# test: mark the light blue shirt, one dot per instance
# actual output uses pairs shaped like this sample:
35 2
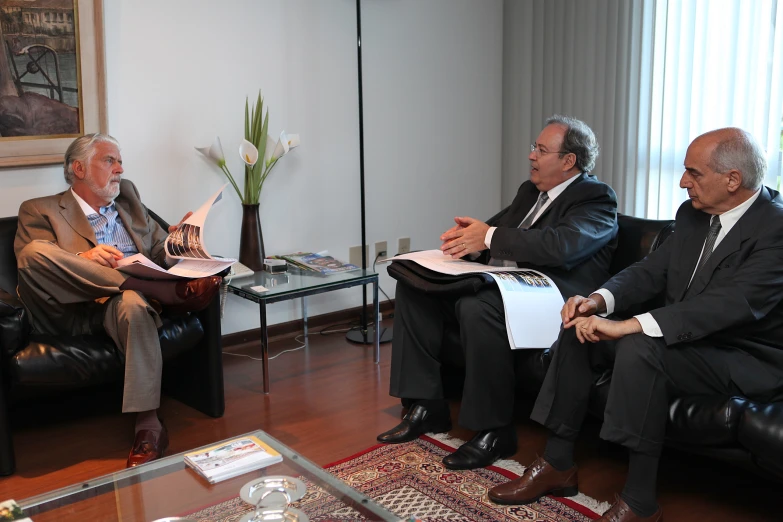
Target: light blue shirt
107 226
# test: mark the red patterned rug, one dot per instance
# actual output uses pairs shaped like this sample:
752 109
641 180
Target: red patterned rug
411 481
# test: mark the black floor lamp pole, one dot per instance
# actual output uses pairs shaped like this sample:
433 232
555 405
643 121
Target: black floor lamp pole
367 333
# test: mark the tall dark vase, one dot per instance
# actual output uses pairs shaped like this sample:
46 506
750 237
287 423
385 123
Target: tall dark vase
251 241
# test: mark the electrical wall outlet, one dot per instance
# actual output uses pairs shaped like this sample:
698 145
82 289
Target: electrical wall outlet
355 255
403 245
381 252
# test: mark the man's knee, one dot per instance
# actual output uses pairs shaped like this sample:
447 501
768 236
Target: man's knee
638 352
36 253
482 305
131 306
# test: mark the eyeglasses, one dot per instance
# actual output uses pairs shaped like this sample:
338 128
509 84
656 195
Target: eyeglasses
537 150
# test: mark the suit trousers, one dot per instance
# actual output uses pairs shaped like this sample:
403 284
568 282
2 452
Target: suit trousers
65 294
469 331
646 375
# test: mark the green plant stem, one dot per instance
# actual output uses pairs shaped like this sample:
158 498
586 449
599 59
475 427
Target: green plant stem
231 179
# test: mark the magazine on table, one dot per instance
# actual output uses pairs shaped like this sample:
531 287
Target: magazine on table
232 458
531 300
322 264
186 246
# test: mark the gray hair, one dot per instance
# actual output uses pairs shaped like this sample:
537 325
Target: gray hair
740 151
579 140
82 149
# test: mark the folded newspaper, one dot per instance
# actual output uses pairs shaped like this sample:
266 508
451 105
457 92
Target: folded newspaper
186 246
531 299
232 458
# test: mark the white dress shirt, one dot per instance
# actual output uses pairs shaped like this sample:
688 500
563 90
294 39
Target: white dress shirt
551 194
727 221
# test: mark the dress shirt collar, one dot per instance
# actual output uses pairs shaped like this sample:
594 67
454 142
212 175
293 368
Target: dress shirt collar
729 218
86 208
556 191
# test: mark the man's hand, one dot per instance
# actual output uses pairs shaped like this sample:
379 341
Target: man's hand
465 238
593 329
103 255
172 228
578 306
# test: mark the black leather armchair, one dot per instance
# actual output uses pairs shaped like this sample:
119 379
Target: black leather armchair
33 365
733 429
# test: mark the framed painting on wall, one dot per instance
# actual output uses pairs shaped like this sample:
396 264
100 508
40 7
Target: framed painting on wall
52 80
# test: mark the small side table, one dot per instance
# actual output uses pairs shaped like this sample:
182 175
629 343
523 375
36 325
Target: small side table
293 284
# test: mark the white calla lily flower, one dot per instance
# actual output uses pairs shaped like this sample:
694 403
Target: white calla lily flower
293 141
248 152
270 148
214 152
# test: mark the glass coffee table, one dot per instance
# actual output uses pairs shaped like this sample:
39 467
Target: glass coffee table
168 488
297 283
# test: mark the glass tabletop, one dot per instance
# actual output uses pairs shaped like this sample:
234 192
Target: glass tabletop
168 488
295 282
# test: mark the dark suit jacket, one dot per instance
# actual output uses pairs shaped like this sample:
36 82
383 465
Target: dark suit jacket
60 219
572 241
735 301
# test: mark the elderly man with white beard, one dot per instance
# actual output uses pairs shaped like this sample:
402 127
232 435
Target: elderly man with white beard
67 247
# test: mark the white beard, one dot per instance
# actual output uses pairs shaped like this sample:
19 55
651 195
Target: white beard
107 192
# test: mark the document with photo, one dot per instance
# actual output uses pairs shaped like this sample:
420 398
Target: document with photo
531 300
186 246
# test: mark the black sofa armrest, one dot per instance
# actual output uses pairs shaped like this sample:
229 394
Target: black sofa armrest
195 377
14 326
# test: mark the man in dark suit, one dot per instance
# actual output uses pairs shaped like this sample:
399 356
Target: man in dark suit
562 223
67 247
719 331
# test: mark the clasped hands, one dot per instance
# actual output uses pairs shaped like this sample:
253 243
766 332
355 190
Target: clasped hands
108 255
579 313
464 238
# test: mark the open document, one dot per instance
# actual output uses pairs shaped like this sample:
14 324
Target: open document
186 246
531 300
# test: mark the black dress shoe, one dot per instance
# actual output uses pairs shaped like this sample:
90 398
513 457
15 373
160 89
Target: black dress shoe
483 449
418 420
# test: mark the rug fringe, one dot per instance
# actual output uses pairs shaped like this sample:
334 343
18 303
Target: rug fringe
515 467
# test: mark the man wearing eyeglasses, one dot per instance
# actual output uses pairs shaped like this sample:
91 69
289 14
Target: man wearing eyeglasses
562 222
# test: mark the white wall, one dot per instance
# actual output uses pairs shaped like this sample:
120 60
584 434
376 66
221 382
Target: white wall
178 73
433 114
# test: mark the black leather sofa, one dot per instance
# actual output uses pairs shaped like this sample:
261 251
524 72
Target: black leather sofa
735 429
33 366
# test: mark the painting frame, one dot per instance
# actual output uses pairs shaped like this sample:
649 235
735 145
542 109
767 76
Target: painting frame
28 150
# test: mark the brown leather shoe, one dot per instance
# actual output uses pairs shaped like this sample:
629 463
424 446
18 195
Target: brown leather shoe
621 512
196 294
147 447
538 480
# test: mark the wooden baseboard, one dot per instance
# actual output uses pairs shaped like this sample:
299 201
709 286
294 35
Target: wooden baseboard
294 328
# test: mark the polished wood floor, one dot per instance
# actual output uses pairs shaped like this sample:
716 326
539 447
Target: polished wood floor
328 402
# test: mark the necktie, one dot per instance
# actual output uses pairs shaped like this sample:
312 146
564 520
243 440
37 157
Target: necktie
542 199
709 243
526 223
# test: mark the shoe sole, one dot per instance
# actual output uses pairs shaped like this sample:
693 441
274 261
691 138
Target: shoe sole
570 491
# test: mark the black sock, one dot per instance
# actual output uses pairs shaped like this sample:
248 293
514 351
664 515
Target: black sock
639 491
559 452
